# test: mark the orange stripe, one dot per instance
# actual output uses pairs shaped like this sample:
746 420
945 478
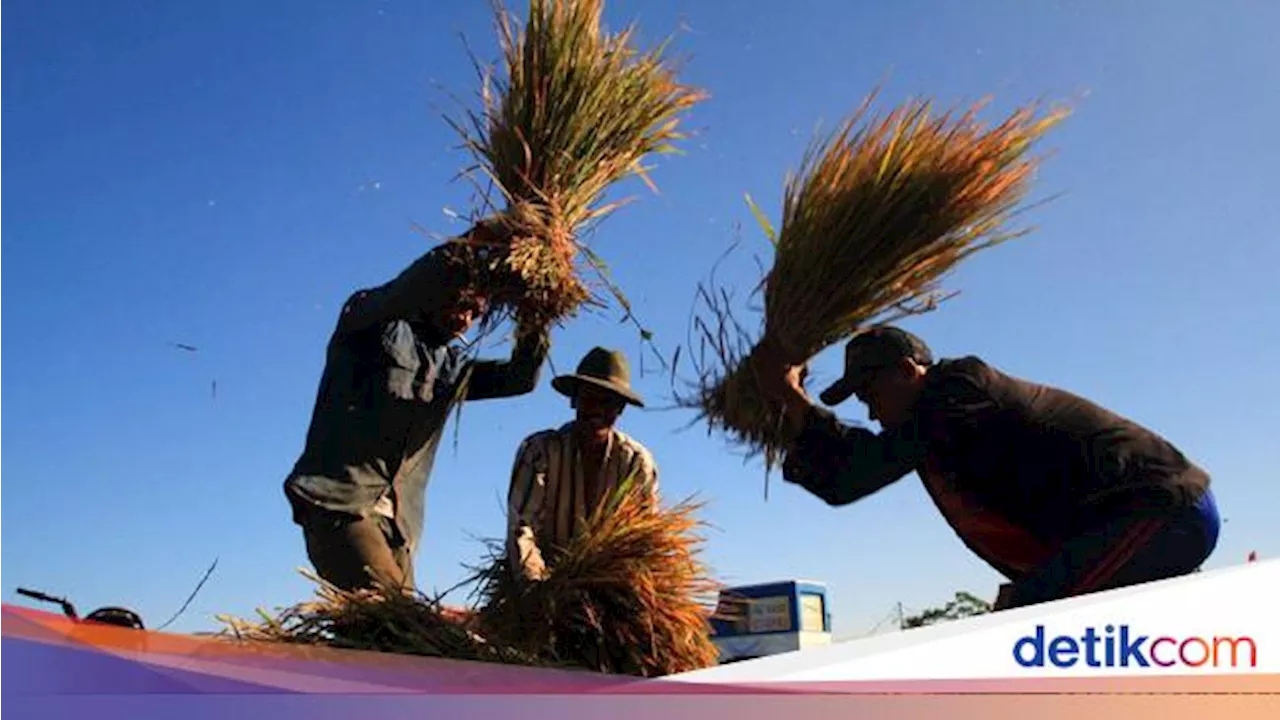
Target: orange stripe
1122 553
989 531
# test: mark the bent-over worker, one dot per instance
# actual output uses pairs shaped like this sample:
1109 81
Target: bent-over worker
391 377
1061 496
560 476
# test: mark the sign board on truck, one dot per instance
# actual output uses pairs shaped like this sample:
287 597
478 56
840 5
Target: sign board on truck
771 614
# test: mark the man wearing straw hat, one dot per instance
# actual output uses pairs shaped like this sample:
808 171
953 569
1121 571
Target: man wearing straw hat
1061 496
562 475
391 377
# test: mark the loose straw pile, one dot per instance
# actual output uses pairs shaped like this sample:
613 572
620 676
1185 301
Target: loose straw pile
628 595
379 620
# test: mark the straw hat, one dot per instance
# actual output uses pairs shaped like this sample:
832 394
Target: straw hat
603 368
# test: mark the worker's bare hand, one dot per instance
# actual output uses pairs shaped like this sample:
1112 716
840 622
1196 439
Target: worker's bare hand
527 332
783 382
775 375
533 572
795 377
490 231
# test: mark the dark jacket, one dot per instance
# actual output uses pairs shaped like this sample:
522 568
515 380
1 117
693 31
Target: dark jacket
388 386
1015 467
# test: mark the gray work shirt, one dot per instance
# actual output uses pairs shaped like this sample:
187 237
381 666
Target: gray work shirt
389 384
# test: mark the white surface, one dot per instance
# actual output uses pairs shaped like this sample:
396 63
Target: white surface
1236 602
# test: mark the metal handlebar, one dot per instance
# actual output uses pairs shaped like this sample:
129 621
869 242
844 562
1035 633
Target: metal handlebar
67 608
121 617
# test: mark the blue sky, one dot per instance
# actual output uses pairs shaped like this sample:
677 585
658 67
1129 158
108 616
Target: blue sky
225 174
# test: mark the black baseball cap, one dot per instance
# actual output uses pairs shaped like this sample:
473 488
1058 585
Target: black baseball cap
872 350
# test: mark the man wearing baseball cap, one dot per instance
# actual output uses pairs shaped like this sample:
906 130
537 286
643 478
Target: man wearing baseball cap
1058 494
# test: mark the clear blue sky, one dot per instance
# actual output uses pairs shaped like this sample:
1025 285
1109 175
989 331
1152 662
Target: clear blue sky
224 174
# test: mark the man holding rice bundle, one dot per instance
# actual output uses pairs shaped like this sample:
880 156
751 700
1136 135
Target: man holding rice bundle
391 378
593 572
576 110
562 475
1060 495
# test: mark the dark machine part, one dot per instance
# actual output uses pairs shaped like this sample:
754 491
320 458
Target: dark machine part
67 608
118 616
121 617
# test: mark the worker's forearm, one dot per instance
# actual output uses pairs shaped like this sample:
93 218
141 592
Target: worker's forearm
840 463
509 378
797 409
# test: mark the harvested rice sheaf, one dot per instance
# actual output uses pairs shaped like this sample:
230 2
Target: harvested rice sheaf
628 595
877 214
576 110
378 620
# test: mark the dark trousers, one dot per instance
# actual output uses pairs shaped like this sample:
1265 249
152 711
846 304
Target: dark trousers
1124 552
353 552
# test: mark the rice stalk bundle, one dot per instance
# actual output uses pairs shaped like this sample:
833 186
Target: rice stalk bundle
577 110
627 595
377 620
877 214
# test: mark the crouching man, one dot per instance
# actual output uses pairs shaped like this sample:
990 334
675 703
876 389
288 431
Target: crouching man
1061 496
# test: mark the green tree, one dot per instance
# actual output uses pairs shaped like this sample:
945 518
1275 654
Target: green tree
963 605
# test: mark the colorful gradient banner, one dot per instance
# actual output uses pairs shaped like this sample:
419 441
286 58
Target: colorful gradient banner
60 668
